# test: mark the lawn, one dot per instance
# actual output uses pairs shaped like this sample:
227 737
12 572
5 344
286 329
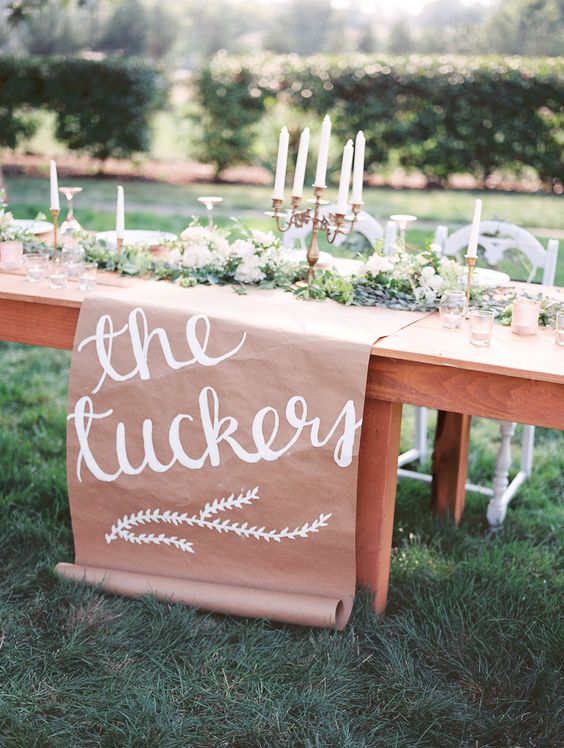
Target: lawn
469 653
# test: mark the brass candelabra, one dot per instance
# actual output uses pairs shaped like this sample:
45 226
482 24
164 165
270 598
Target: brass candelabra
332 224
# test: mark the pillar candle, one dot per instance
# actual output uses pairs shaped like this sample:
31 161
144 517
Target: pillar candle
281 162
344 183
358 172
120 214
54 186
323 156
475 230
301 161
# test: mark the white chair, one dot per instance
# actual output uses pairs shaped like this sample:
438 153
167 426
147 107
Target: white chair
366 225
495 239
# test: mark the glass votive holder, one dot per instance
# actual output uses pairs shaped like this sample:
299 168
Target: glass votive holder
11 255
525 317
36 265
481 326
58 273
559 333
451 309
73 255
87 278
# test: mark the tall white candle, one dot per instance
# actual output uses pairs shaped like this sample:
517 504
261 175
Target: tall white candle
344 183
120 214
475 230
54 186
301 161
358 172
281 162
323 156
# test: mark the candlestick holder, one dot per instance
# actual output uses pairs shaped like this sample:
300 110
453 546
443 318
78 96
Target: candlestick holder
55 214
119 242
470 263
332 224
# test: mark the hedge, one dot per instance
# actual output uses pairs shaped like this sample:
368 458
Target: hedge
102 106
440 115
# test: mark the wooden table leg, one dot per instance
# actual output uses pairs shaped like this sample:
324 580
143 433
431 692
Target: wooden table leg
377 478
450 464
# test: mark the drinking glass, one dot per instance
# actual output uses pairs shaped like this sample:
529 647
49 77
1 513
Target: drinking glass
525 317
58 273
70 224
87 279
402 220
11 254
73 255
451 309
36 265
559 328
481 326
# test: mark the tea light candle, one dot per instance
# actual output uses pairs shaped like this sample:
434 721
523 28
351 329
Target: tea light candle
525 317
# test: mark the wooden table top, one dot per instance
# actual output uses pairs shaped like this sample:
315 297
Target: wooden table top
533 357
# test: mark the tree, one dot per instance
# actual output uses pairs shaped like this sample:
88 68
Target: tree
527 27
400 40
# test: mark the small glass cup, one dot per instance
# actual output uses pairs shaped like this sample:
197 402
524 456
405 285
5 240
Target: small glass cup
36 265
87 278
73 255
481 326
11 255
525 317
58 273
559 335
451 309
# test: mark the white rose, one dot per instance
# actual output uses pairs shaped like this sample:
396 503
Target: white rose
197 256
249 270
174 257
242 248
428 272
430 295
378 264
198 234
436 248
264 238
436 283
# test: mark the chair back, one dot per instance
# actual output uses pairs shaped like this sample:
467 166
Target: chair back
497 238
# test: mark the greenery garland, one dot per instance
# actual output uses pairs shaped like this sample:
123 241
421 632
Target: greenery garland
405 280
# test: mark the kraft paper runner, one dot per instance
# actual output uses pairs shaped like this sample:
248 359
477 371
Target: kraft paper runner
213 445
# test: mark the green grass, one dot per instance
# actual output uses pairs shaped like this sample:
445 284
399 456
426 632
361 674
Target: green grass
469 653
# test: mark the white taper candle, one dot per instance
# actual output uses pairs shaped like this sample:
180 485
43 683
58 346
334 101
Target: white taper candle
358 172
475 230
344 182
281 161
54 186
120 213
301 161
322 158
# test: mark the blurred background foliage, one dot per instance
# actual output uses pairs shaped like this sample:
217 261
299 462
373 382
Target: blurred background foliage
186 32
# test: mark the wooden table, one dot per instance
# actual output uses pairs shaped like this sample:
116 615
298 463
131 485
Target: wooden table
516 379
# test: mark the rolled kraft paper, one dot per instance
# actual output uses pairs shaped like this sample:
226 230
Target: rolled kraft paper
288 607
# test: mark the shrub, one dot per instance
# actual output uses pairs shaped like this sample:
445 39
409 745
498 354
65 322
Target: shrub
102 106
441 115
